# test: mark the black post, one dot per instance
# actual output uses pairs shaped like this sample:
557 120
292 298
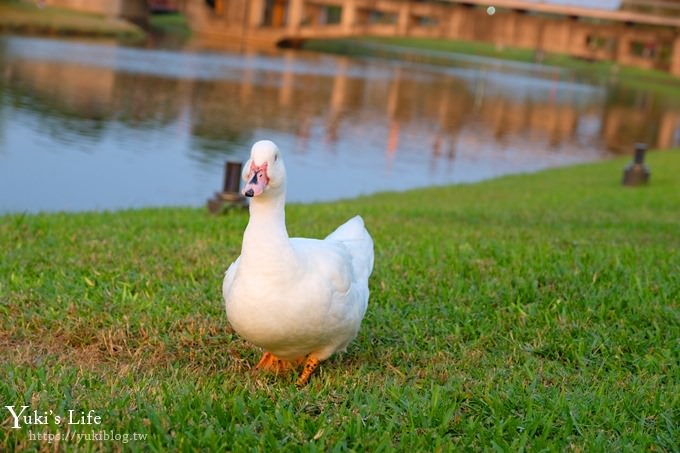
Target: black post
232 176
637 173
230 196
640 150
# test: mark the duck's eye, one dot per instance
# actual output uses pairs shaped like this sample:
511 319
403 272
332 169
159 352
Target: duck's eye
276 157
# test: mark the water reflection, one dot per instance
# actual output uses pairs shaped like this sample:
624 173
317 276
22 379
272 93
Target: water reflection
86 126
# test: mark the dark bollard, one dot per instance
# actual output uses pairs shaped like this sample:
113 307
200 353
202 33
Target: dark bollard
230 196
232 177
637 173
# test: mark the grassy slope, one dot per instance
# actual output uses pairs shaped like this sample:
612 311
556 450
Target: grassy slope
170 23
535 311
655 79
28 18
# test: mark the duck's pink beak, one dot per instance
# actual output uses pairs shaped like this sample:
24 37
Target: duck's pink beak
257 180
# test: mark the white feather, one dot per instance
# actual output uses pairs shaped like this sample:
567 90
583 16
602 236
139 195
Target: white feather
295 297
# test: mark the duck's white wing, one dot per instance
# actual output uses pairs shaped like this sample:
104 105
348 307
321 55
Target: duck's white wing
229 279
353 235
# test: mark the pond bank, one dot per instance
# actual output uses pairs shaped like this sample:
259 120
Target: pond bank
29 19
406 47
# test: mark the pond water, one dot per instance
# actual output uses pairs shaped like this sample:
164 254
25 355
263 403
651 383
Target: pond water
92 126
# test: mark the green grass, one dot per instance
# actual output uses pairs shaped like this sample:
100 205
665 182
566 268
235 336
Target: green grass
532 312
27 18
170 23
600 70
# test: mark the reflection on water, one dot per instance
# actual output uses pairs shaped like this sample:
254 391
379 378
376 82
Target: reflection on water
86 126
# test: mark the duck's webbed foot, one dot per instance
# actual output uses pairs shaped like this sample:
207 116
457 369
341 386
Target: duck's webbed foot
269 362
311 364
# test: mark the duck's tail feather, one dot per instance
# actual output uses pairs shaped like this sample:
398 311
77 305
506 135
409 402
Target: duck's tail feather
354 235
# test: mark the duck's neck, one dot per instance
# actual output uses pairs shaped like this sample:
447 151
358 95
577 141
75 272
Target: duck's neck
266 237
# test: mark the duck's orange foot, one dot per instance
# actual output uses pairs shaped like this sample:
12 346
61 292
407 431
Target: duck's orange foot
269 362
311 364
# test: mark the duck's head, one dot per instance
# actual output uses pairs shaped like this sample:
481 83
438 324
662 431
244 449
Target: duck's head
264 172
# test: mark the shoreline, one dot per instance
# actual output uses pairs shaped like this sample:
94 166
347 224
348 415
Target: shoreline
393 195
30 20
437 51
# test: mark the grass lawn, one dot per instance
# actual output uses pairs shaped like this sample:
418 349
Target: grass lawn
27 18
601 70
170 24
532 312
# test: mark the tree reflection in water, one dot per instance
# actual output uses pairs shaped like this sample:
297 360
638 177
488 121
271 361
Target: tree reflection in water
361 125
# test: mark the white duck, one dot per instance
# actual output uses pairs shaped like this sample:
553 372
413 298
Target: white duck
301 300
